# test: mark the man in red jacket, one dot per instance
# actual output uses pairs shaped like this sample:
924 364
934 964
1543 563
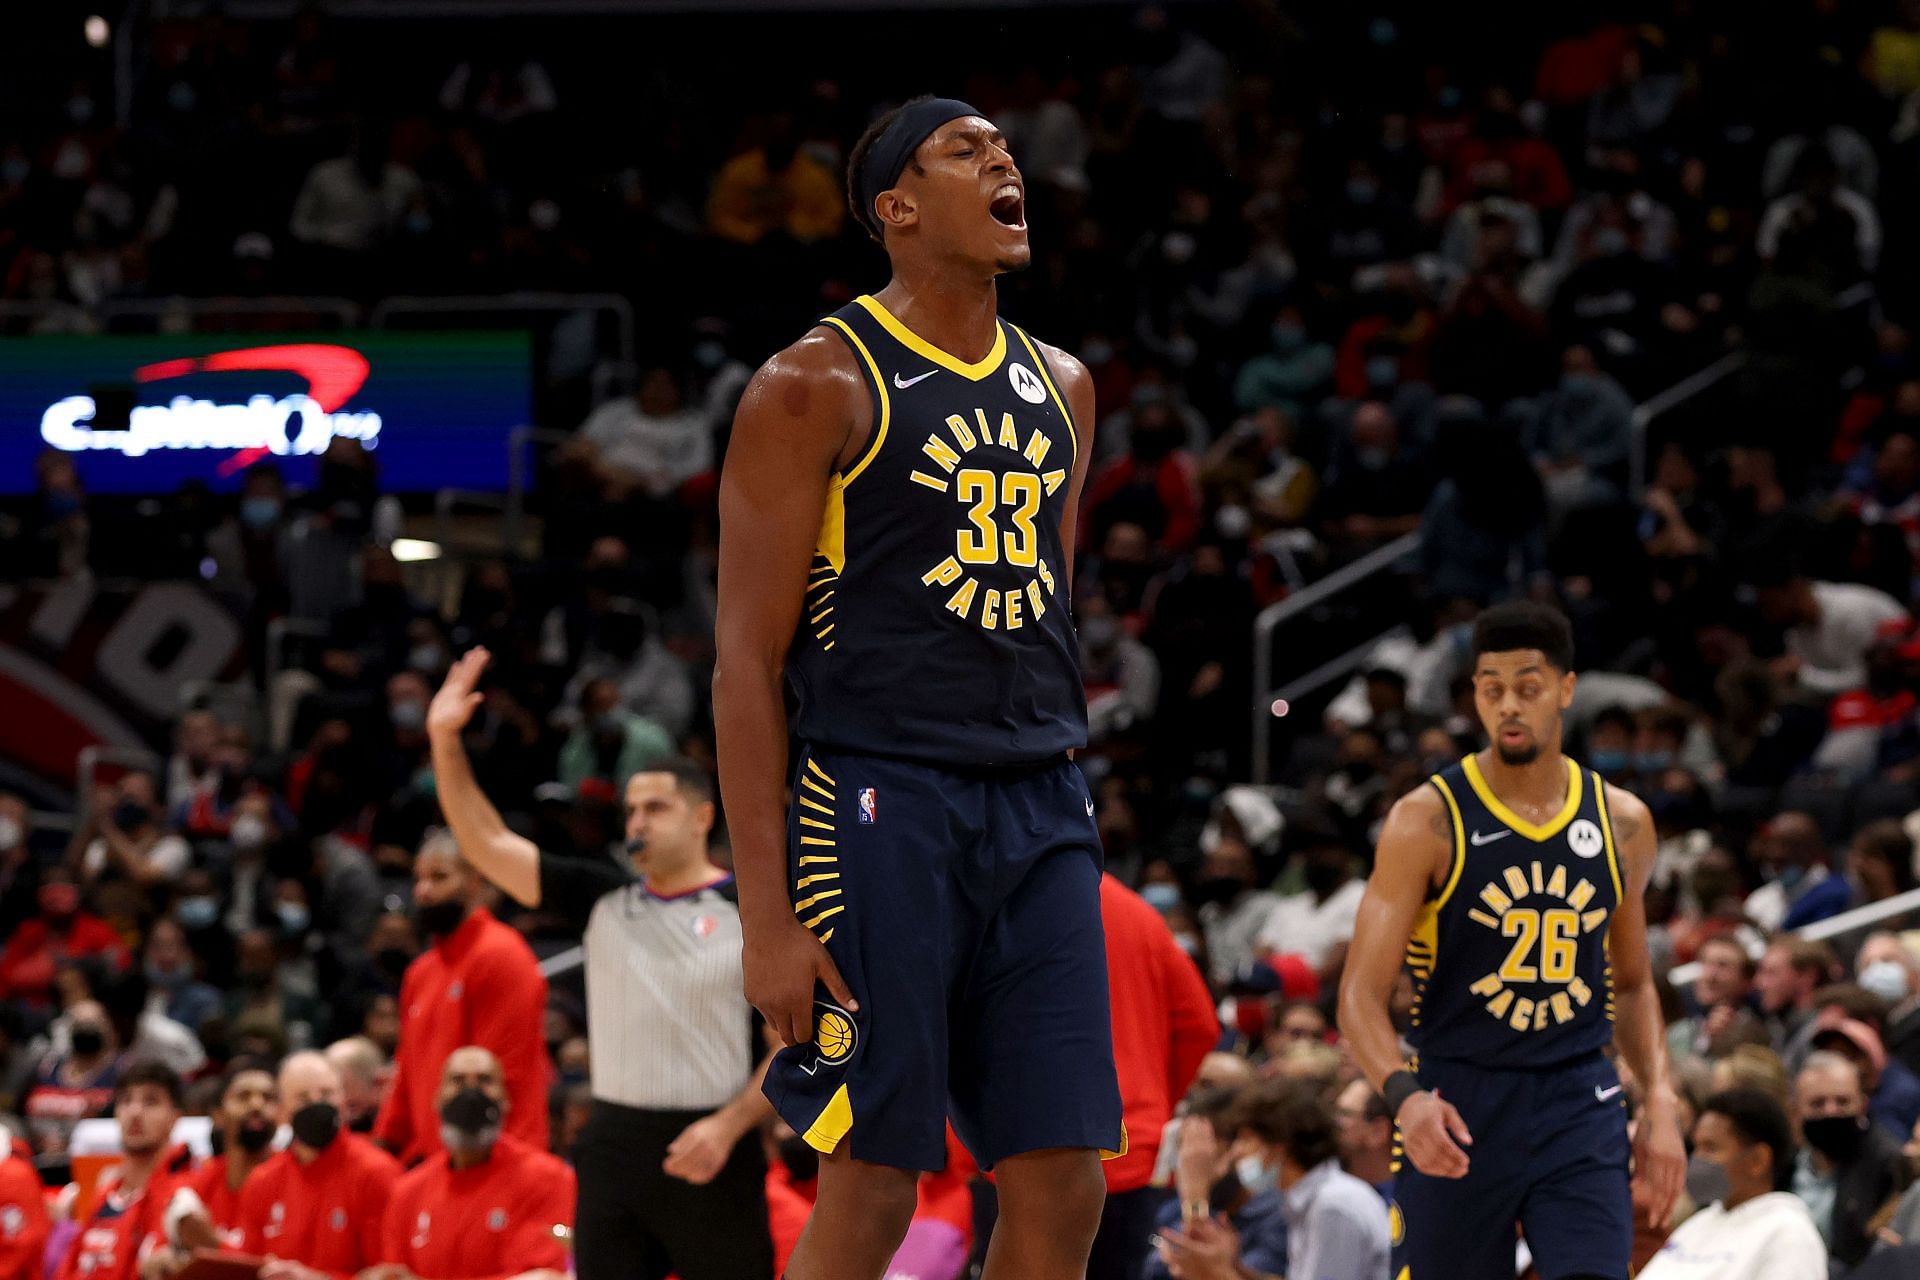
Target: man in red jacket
62 932
314 1210
128 1221
486 1206
477 984
1163 1025
248 1115
24 1224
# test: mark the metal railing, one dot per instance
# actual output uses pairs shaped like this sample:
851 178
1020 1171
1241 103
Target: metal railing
612 304
1846 922
1293 606
1665 402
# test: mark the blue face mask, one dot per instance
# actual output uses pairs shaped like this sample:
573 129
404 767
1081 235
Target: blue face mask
197 913
294 918
1789 878
1609 760
1256 1176
1161 896
259 513
1650 761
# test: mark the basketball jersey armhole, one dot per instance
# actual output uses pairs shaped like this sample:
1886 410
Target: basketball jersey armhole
1046 376
1606 829
1458 863
877 393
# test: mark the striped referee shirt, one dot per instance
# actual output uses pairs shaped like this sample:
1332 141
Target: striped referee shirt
668 1020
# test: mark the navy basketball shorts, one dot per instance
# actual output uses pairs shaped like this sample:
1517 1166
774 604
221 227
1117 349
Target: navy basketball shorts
1549 1152
963 910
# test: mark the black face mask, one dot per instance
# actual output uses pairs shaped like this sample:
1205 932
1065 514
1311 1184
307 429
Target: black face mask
440 918
317 1124
1323 879
88 1041
1220 889
255 1137
392 961
470 1111
802 1161
1838 1138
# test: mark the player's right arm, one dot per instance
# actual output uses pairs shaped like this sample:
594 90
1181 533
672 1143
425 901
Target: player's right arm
798 420
1415 853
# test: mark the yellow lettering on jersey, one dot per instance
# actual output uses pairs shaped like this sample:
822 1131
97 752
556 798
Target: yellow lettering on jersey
941 452
990 610
1046 576
1487 985
1562 1007
1053 480
1495 899
1592 920
986 432
1036 451
1580 991
1012 602
1009 439
1539 881
963 598
1499 1005
1035 599
1522 1017
1480 917
1558 885
932 482
1516 882
961 432
1582 894
1540 1011
946 573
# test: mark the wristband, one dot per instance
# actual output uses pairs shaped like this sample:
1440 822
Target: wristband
1400 1086
1194 1210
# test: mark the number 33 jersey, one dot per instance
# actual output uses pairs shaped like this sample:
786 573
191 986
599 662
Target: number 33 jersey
936 625
1509 958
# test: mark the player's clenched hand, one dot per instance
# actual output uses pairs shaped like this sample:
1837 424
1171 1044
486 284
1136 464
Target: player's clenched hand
1434 1135
700 1152
1659 1162
453 706
782 962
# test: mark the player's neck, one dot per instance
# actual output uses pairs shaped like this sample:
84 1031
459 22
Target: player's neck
241 1162
1541 781
137 1171
955 312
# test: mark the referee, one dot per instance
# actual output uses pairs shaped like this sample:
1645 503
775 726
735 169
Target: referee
672 1175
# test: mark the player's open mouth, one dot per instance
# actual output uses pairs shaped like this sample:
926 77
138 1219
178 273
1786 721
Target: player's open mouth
1009 207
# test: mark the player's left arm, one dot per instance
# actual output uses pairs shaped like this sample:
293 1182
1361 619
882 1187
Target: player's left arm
1076 388
1660 1156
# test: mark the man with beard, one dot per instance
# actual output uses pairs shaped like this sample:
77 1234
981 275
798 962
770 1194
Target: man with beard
487 1204
478 984
246 1117
314 1210
128 1218
1512 887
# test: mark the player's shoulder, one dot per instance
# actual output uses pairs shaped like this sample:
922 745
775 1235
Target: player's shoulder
1628 813
815 380
1068 370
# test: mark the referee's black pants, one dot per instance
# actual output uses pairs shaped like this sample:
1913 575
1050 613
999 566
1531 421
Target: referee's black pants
634 1222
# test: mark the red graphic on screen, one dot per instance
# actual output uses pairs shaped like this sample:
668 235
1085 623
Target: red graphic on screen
333 374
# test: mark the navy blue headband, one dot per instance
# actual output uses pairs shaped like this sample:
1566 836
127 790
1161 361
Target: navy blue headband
887 158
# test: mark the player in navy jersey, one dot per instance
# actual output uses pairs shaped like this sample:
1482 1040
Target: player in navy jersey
922 917
1510 887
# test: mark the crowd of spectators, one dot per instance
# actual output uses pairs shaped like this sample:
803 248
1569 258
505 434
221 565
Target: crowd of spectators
1351 283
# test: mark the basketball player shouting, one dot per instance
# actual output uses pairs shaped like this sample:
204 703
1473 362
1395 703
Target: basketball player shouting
922 921
1512 886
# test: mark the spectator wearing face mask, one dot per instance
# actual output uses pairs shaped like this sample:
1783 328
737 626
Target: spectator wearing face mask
1213 1198
611 744
486 1204
1288 377
1891 970
61 934
77 1084
1366 1137
316 1209
175 990
1848 1168
1800 889
1830 628
1316 925
1376 487
1893 1093
478 984
124 839
1232 910
1748 1229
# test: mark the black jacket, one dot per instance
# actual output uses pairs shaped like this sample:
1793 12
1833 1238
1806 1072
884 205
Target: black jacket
1875 1176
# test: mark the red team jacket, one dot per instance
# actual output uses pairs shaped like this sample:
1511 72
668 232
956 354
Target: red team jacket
325 1215
493 1220
24 1223
209 1182
481 985
121 1229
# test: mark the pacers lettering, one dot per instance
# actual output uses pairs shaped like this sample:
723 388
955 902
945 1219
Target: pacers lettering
997 510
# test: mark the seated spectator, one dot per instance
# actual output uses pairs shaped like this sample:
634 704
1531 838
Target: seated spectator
1316 925
1154 484
1720 994
316 1209
775 187
125 839
1581 435
24 1223
653 681
1784 982
653 441
1376 486
1835 230
1121 675
62 933
1748 1230
75 1084
128 1220
612 743
1233 912
1752 1066
1880 861
1891 970
486 1204
363 1072
1288 377
353 203
1366 1137
1830 627
246 1116
1800 888
1893 1092
170 971
1209 1187
1484 529
1848 1168
1610 745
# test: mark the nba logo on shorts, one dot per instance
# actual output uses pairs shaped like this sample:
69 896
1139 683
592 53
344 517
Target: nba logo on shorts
867 814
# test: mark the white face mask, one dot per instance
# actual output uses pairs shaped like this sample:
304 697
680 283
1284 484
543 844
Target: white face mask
10 832
1256 1175
1886 979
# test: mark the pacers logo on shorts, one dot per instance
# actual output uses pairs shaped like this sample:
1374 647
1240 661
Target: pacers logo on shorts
1396 1225
834 1036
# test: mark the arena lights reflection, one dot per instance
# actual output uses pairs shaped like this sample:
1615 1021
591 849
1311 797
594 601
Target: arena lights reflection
261 423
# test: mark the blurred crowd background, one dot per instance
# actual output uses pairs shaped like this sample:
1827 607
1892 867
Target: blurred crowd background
1341 278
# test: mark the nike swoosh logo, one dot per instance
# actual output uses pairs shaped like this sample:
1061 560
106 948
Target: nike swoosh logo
1604 1094
1089 808
904 383
1479 839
